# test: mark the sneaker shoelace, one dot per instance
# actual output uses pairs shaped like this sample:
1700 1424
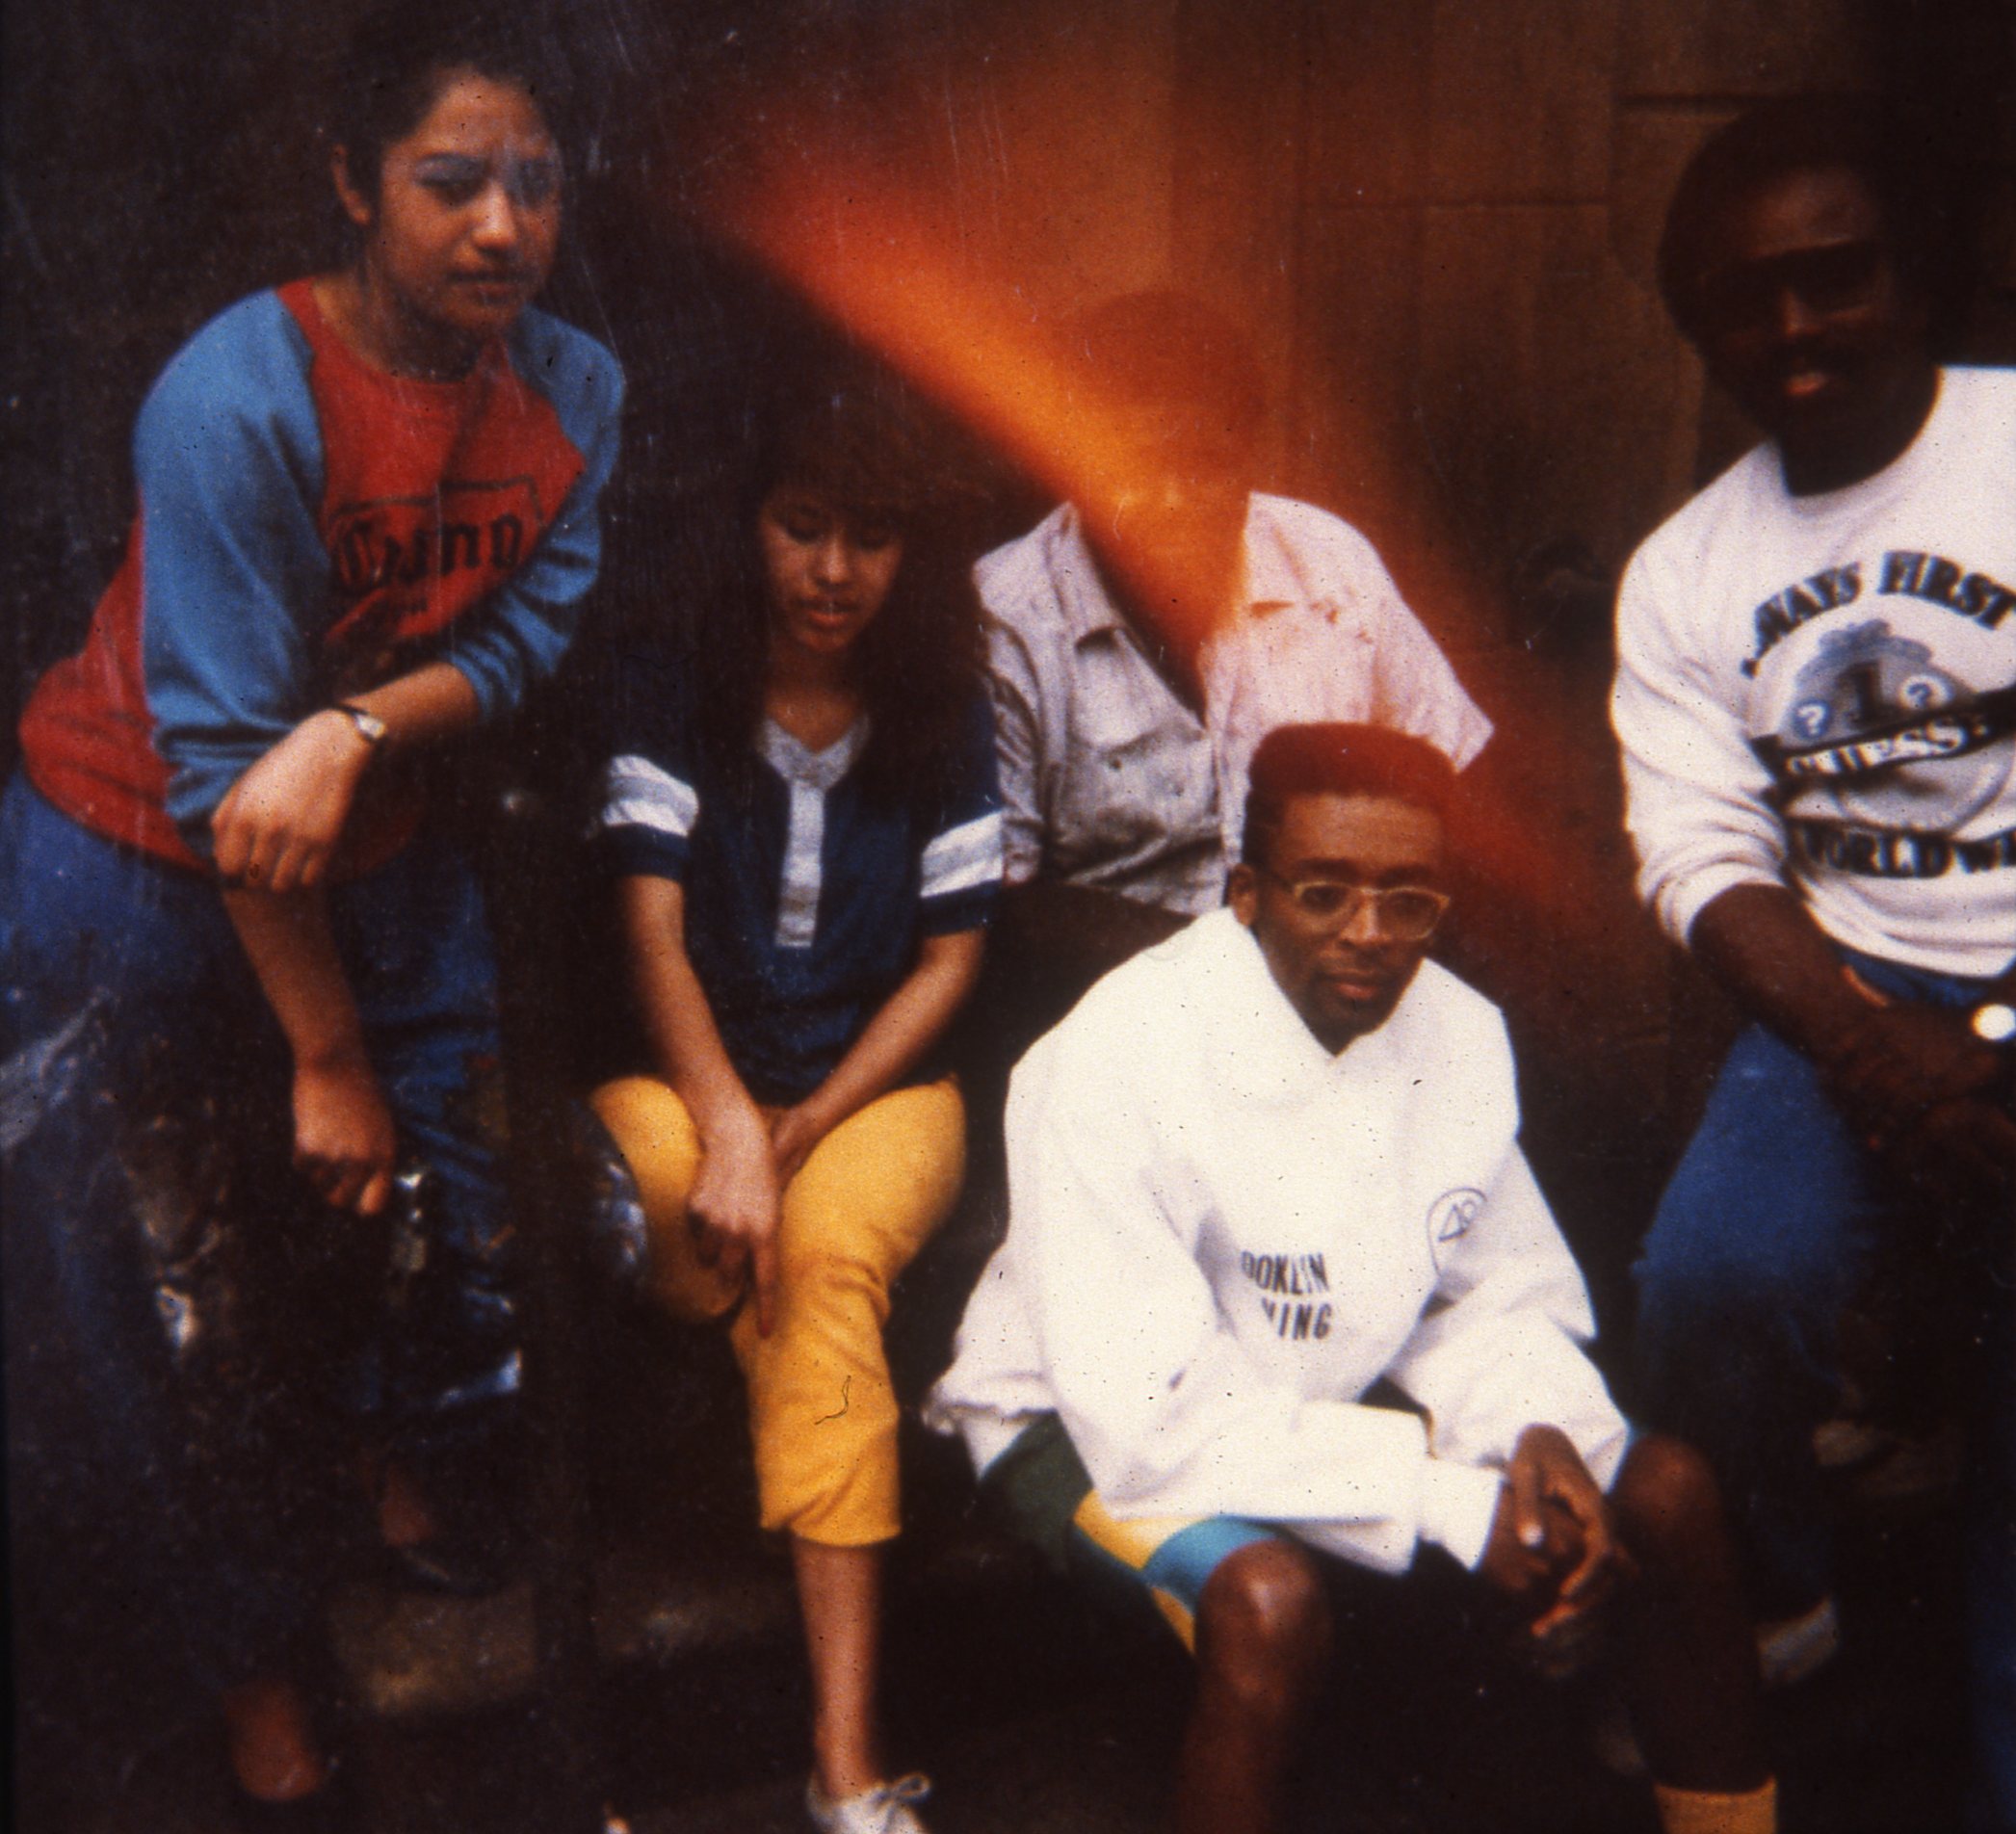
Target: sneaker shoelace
892 1797
879 1807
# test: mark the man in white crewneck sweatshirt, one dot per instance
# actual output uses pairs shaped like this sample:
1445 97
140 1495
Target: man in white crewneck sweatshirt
1817 702
1260 1168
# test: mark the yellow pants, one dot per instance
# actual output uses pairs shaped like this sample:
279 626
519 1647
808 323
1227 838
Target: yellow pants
822 1412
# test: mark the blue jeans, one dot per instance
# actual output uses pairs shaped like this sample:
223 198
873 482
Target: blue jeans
1766 1230
194 1343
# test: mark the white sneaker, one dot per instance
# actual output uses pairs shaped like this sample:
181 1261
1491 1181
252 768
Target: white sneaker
1790 1649
882 1810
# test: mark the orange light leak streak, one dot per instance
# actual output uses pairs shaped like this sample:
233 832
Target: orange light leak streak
872 255
875 262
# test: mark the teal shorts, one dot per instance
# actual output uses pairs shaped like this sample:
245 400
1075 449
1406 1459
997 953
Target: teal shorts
1040 1488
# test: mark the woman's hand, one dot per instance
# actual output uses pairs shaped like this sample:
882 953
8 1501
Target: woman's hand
281 820
906 1025
793 1131
343 1136
734 1209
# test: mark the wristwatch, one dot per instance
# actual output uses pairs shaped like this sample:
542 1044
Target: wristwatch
370 727
1994 1023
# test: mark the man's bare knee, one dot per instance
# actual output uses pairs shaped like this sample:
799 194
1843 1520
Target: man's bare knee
1668 1502
1264 1623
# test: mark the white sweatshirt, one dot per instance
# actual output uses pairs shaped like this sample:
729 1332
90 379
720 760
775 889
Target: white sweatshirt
1220 1236
1859 636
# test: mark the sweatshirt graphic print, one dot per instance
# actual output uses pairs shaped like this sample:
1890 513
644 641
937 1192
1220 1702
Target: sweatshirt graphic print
1822 690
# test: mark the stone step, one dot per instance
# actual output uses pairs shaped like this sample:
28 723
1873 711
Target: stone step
409 1656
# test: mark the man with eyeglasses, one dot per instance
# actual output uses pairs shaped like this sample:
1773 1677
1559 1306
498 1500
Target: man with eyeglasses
1262 1170
1817 702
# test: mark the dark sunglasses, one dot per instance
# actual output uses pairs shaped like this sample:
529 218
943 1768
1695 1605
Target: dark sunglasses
1829 279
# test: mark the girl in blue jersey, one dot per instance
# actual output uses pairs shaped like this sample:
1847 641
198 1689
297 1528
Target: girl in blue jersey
231 933
807 851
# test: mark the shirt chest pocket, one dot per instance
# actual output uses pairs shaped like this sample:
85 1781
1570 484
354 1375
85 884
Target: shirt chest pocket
1136 764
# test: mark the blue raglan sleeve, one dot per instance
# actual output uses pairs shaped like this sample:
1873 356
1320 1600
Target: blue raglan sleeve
227 457
524 629
648 797
959 871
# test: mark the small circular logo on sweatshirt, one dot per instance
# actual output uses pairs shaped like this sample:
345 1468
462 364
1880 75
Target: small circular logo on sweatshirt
1450 1218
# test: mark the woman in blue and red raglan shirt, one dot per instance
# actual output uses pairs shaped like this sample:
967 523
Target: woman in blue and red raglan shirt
231 935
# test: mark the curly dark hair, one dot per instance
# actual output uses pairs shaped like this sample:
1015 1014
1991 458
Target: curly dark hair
392 68
843 426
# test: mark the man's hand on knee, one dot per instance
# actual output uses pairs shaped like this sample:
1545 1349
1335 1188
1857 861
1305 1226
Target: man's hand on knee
1899 1060
1960 1154
1554 1550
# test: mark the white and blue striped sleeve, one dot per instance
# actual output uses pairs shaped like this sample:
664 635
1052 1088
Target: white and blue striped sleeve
647 800
645 820
959 871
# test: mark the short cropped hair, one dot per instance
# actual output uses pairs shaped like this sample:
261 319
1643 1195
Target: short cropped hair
392 68
1166 349
1866 135
1337 758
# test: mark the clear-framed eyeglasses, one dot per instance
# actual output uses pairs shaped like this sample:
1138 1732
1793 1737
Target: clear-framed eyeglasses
1406 913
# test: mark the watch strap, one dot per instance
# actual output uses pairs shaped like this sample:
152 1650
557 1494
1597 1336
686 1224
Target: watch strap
1994 1022
369 727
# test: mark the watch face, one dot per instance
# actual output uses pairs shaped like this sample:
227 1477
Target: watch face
1996 1023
